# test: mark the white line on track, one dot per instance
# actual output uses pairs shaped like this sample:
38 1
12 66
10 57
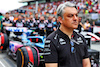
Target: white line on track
2 64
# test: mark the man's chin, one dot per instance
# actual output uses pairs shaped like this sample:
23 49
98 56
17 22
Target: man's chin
75 27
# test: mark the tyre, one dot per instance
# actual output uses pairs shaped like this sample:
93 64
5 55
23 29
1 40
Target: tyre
27 57
4 41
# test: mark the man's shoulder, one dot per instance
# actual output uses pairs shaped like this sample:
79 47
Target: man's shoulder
78 34
51 36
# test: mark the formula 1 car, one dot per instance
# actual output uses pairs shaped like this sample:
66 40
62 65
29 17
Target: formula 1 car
95 36
27 50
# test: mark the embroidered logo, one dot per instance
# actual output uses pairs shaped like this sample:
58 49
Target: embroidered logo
79 40
62 41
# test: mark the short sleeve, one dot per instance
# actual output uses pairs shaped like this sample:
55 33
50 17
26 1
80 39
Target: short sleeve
50 52
85 49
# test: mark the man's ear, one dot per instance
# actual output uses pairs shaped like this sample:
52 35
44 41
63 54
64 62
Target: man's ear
60 19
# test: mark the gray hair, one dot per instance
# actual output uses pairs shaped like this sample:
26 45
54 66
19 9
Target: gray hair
61 7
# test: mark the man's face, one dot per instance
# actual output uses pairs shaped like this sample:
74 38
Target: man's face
7 15
80 19
36 15
70 18
50 18
42 18
19 17
31 17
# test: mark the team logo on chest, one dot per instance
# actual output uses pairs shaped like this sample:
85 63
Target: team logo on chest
62 41
79 40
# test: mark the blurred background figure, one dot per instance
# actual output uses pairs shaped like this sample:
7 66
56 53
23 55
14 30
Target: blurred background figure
54 24
49 28
87 26
42 26
80 26
29 22
36 16
6 22
92 25
19 22
36 21
11 17
1 17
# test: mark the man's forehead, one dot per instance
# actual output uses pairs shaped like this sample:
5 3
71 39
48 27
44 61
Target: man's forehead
71 13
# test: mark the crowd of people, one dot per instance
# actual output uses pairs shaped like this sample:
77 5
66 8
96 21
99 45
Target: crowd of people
84 7
42 26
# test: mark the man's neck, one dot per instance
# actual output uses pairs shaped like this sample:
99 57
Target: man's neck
36 18
7 17
19 20
67 31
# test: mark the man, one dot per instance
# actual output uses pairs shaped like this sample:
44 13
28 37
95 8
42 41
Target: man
29 22
6 22
19 22
64 47
80 25
11 18
41 26
36 21
49 27
56 24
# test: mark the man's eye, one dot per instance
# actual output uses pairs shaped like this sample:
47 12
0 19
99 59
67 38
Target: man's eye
70 15
73 15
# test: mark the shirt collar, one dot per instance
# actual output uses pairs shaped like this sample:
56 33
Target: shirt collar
64 35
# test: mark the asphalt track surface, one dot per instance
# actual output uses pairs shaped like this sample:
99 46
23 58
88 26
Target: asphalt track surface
7 61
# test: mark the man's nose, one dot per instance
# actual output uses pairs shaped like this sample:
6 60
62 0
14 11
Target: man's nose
75 17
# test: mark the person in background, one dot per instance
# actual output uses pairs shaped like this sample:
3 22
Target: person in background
29 22
19 22
15 18
36 16
49 27
65 47
42 26
11 18
27 18
87 26
1 16
92 25
6 22
36 21
80 25
56 24
1 26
